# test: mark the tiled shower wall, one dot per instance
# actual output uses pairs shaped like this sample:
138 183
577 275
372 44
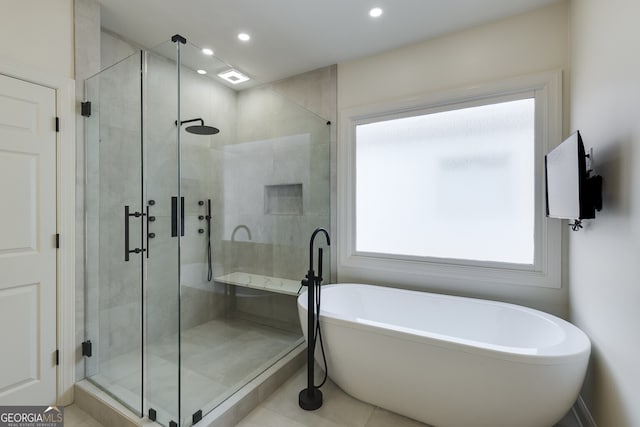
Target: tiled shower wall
279 144
215 104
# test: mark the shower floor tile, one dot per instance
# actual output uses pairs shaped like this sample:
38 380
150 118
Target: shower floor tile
217 357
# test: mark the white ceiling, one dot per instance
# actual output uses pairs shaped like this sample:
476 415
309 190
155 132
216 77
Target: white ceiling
293 36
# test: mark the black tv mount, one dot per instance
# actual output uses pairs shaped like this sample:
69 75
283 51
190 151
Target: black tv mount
593 192
577 225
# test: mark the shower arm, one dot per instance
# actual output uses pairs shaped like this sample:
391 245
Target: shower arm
190 121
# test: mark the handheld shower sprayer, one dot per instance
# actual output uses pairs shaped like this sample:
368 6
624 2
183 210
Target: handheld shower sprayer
207 218
209 264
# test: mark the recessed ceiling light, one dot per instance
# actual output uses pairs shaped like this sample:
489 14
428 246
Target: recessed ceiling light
375 12
233 76
207 51
201 72
244 37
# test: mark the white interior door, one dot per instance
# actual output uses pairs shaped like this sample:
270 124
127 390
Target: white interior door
27 243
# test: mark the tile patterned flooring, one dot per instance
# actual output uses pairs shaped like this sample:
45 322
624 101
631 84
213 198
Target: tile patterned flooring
281 410
338 410
212 372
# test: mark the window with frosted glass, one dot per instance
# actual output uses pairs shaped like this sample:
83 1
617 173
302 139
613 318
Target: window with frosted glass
456 184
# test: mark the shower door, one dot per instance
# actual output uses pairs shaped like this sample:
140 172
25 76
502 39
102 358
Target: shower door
115 226
134 221
165 227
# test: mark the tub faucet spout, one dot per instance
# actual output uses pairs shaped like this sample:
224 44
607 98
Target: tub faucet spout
311 274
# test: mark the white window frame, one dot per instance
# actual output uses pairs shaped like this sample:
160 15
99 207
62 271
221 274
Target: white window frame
414 271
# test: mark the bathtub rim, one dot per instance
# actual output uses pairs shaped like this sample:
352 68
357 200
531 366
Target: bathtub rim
511 354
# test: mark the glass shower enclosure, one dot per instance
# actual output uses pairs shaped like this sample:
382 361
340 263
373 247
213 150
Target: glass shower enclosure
196 241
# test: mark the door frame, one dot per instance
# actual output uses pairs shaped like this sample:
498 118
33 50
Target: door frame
65 216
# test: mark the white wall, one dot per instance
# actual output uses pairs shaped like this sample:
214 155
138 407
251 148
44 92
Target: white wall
38 45
38 34
526 44
604 262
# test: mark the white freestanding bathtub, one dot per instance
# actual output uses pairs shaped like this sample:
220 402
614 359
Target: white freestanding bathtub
450 361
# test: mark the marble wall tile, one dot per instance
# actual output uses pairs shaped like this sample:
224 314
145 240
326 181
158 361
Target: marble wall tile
114 49
263 155
201 306
315 90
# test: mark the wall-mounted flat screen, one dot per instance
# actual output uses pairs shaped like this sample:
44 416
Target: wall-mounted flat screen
571 192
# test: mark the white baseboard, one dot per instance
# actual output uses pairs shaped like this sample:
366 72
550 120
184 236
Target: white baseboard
582 414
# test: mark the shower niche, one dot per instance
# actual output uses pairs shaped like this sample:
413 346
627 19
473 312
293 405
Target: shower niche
200 197
284 199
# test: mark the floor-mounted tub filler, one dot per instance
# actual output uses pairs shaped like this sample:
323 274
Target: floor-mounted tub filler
450 361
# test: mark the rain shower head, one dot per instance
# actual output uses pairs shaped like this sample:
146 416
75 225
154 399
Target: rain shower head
200 129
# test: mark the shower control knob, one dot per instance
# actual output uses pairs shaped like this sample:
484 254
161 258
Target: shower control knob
200 217
200 202
200 230
152 202
152 218
152 235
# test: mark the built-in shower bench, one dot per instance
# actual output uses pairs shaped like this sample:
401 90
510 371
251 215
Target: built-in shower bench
257 281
